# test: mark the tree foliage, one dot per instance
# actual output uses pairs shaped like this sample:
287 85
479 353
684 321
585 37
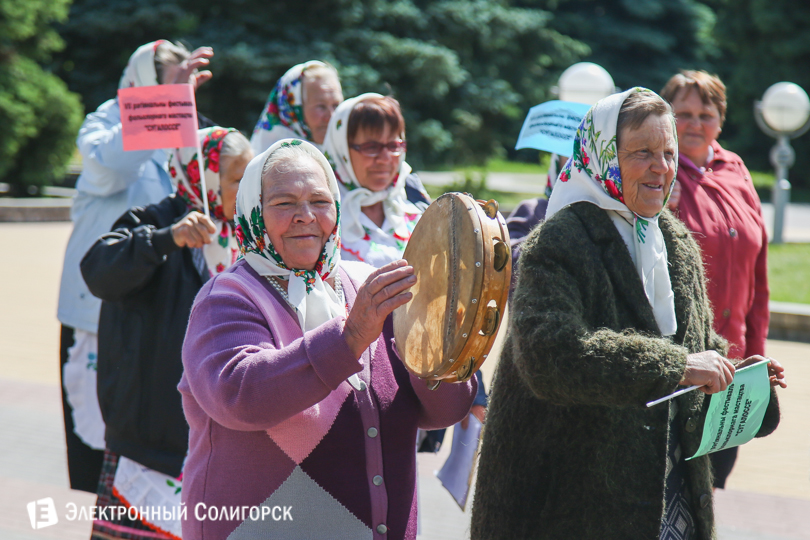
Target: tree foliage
750 44
39 117
639 42
763 42
465 72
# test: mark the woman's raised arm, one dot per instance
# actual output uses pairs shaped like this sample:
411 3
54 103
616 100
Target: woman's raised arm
239 375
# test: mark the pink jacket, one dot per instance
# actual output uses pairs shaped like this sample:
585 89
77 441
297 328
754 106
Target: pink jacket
274 424
722 209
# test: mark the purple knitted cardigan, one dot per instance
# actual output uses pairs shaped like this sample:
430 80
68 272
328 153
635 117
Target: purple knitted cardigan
275 425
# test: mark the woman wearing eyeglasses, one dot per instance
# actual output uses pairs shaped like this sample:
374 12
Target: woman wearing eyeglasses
381 200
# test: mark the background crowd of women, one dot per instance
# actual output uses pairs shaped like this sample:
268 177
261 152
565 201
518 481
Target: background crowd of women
290 376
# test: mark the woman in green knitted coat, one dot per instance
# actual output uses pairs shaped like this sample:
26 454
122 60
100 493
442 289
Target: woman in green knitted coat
610 312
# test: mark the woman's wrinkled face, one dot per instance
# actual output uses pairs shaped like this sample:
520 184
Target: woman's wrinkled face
647 159
231 171
322 95
698 123
299 211
378 172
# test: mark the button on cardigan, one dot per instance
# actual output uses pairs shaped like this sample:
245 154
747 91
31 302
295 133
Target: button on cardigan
274 422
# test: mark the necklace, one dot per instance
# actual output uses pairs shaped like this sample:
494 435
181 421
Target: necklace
280 290
277 286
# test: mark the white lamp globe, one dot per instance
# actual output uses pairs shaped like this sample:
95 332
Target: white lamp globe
585 82
785 107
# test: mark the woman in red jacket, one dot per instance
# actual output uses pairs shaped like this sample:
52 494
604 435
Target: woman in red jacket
715 198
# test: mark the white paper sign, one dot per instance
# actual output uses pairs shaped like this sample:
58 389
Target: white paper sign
457 472
551 127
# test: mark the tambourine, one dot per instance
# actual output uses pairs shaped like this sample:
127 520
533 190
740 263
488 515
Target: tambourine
460 253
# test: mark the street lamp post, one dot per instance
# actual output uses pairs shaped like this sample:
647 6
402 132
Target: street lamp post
784 114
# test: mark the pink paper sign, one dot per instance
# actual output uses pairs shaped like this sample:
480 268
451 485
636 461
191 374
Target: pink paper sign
162 116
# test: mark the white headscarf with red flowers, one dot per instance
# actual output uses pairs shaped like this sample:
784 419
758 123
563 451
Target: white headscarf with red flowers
283 114
185 173
592 174
315 301
362 239
140 70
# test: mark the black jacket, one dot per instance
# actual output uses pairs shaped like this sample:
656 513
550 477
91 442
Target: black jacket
147 285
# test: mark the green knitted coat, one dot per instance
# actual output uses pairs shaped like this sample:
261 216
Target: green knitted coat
570 452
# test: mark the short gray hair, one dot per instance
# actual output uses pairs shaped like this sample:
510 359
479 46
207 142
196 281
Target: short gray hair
637 107
285 159
169 54
317 72
235 145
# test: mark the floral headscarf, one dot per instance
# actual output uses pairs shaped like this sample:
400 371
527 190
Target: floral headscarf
592 174
361 237
283 116
185 173
315 301
140 70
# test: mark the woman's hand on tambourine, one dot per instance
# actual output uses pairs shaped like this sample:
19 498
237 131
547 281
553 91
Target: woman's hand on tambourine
385 290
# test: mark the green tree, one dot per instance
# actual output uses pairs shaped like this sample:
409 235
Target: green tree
38 115
763 42
639 42
465 72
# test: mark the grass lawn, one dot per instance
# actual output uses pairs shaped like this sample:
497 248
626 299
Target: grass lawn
763 180
504 165
507 201
470 181
473 184
789 273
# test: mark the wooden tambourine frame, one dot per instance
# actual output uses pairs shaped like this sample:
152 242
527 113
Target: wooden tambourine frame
462 260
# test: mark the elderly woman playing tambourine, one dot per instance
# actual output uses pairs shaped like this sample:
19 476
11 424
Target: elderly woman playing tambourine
292 387
610 312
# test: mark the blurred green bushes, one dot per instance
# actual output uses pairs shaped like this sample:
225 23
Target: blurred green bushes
39 117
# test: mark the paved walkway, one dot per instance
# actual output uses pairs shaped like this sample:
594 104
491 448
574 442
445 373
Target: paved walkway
768 496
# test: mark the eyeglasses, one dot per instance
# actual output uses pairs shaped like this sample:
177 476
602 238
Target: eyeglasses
700 119
373 148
